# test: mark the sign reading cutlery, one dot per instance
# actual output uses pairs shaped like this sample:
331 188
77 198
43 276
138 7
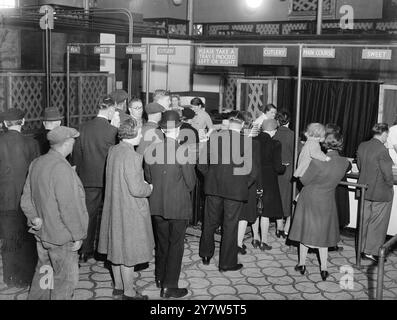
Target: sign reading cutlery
212 56
164 51
99 50
135 50
275 52
324 53
74 49
376 54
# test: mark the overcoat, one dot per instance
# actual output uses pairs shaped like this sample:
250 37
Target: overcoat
126 234
315 221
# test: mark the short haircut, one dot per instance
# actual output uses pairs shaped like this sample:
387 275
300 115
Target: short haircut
159 93
333 141
331 128
106 103
247 116
11 123
283 117
379 128
267 107
315 130
176 96
128 129
197 102
135 99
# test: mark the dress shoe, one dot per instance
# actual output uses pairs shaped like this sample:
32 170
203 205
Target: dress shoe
265 246
238 266
301 269
158 283
137 296
370 257
280 234
324 275
244 246
117 292
256 243
241 250
336 248
173 292
206 261
141 266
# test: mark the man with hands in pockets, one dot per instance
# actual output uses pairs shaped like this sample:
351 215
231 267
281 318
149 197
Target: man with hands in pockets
53 200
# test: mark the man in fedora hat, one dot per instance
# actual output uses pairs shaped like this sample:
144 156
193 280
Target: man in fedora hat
16 153
53 200
52 119
170 204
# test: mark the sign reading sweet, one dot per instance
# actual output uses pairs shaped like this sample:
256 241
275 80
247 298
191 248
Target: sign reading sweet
225 57
376 54
323 53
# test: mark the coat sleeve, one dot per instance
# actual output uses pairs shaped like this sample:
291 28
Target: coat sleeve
77 154
277 163
134 178
310 173
189 176
27 205
385 165
70 213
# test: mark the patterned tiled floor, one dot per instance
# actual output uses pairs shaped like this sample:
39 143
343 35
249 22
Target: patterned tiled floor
266 275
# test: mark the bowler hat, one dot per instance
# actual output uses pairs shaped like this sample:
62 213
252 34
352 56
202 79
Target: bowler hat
13 114
60 134
154 107
52 114
269 125
170 119
188 113
119 95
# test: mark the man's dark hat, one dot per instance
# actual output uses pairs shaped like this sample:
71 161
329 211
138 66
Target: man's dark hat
13 114
188 113
52 114
170 119
154 107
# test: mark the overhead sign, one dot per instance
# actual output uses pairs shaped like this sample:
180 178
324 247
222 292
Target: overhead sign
99 50
161 51
135 50
324 53
74 49
225 57
275 52
376 54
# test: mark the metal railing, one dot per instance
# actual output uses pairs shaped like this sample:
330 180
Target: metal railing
360 213
383 250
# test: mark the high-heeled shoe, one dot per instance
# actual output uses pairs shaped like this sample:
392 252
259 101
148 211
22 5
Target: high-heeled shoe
324 275
264 246
301 269
256 243
280 233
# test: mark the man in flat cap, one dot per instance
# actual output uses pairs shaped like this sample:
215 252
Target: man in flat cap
53 200
120 98
170 204
89 156
150 130
52 119
16 153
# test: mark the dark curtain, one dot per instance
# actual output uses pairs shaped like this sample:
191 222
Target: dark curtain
286 97
351 105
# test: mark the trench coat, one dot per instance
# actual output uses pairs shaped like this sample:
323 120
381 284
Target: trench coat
126 234
315 221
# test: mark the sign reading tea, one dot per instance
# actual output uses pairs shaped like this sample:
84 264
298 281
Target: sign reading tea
221 57
324 53
376 54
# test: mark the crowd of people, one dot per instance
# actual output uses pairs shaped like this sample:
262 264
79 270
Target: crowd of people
121 186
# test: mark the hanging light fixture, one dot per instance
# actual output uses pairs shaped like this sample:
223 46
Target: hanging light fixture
254 4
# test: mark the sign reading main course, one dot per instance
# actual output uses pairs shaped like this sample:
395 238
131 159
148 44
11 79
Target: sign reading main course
212 56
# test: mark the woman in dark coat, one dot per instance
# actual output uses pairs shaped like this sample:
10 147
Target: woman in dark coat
315 222
249 213
286 137
126 234
270 166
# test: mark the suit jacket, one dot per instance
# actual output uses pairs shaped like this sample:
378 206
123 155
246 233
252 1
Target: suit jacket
172 182
54 193
224 173
375 165
91 149
16 153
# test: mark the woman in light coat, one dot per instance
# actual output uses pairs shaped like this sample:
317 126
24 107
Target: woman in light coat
126 234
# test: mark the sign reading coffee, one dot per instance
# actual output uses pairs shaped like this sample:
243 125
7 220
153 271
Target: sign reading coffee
221 57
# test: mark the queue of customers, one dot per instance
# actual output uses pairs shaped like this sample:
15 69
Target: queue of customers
122 187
